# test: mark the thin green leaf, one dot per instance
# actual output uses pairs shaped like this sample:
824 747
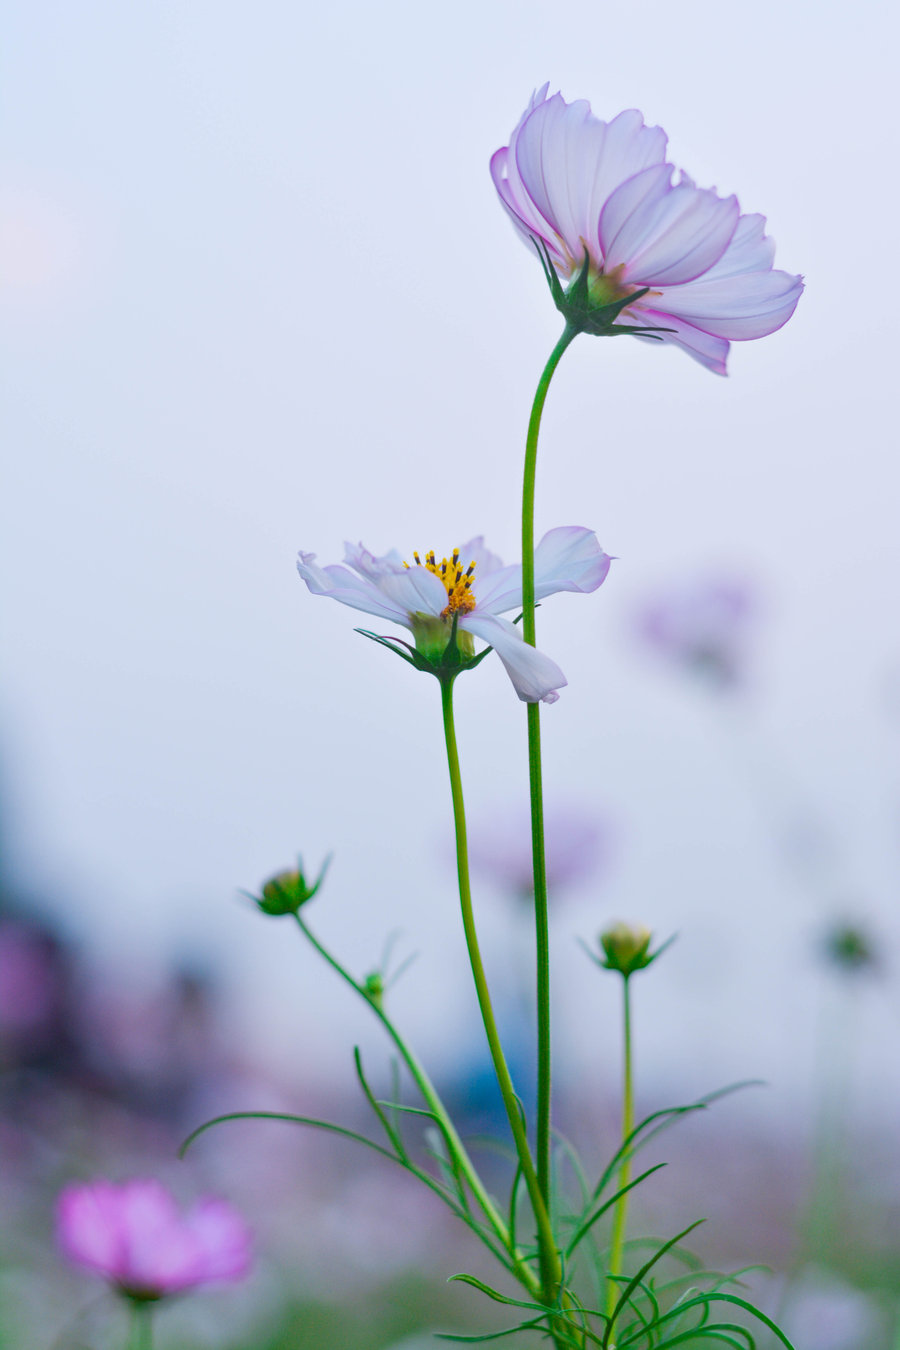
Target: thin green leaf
282 1115
635 1281
589 1223
717 1332
495 1294
491 1335
392 1133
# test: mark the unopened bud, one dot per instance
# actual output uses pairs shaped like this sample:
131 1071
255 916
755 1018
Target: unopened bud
627 947
373 988
850 948
287 891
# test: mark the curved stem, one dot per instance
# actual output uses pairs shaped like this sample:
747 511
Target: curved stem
549 1256
542 934
620 1220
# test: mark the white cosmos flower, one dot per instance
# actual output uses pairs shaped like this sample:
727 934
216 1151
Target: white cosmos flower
472 587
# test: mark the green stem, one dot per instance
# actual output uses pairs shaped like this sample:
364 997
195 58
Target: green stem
549 1256
542 933
439 1111
620 1219
141 1337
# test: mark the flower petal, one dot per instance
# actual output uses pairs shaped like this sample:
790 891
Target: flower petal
669 237
416 590
339 583
370 566
749 305
486 562
750 250
535 677
711 352
561 165
568 558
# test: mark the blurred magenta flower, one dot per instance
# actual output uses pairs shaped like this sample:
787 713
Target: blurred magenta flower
702 628
427 597
576 844
134 1235
598 201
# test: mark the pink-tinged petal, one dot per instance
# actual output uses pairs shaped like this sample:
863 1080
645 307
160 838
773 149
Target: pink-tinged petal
223 1241
136 1237
369 565
568 558
535 677
416 591
501 591
750 250
474 550
524 215
561 165
711 352
634 201
85 1227
749 305
672 237
339 583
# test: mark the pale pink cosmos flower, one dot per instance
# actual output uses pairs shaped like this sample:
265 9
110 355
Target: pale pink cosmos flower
135 1236
576 844
703 627
601 194
472 589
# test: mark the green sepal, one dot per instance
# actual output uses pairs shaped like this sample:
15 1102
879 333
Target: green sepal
284 893
585 315
447 665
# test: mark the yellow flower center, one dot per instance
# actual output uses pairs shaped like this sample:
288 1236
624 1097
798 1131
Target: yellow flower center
457 582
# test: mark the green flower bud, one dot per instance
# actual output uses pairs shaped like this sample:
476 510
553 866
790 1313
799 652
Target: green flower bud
373 988
287 891
626 948
850 948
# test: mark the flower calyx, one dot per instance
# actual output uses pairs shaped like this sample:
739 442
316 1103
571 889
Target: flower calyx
284 893
435 652
593 301
626 948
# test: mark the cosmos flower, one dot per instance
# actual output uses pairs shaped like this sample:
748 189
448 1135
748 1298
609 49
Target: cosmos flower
703 628
471 589
134 1235
576 842
599 202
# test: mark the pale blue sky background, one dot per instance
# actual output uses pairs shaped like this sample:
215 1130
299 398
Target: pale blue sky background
259 295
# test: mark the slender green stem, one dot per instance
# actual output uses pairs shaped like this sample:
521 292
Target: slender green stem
542 934
141 1337
549 1256
439 1111
620 1220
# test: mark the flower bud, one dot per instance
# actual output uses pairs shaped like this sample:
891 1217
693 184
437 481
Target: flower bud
626 947
850 948
373 988
287 891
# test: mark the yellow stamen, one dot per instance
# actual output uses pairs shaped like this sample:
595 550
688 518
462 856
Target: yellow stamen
457 583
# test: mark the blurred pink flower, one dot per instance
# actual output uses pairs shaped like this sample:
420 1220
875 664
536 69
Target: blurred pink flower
600 195
473 589
701 627
135 1236
576 845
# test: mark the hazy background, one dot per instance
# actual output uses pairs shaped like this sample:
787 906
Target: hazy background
259 295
